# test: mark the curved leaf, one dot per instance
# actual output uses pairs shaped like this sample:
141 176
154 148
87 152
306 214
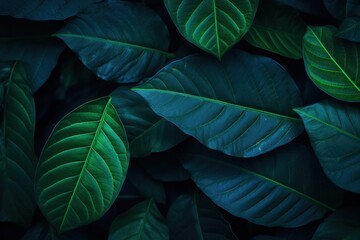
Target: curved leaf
143 221
342 224
280 30
118 41
146 131
241 105
214 26
196 217
350 29
285 187
82 166
335 137
17 156
332 64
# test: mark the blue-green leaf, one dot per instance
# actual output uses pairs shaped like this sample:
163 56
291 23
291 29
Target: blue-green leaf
350 29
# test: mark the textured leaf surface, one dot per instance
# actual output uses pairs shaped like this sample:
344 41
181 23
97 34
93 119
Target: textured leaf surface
332 64
17 156
196 217
335 137
119 41
342 224
143 221
285 187
350 29
214 26
82 166
241 105
146 131
280 30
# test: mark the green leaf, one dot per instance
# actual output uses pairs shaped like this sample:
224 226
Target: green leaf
143 221
43 10
82 166
146 131
284 188
119 41
342 224
337 8
241 105
332 64
334 133
214 26
196 217
17 161
279 31
350 29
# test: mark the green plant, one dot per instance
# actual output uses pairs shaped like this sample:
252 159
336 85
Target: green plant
180 119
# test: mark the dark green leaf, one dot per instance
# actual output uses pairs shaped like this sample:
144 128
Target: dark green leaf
332 64
146 131
143 221
334 132
119 41
17 156
196 217
82 166
285 187
214 26
350 29
241 105
337 8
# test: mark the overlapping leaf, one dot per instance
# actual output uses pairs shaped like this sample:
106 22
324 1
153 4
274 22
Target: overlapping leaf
241 105
82 166
17 156
350 29
119 41
214 26
332 64
335 136
285 187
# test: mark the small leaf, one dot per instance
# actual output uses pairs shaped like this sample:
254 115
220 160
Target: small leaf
241 105
196 217
332 64
335 136
350 29
17 156
284 188
82 166
119 41
214 26
146 131
143 221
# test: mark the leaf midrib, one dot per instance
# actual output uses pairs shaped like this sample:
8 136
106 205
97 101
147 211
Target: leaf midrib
142 227
217 101
216 30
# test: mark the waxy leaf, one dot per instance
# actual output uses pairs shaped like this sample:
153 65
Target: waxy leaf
82 166
285 187
332 64
350 29
119 41
214 26
241 105
334 132
196 217
143 221
17 156
146 131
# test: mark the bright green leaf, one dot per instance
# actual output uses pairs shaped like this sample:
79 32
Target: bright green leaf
82 166
241 105
350 29
332 64
214 26
334 132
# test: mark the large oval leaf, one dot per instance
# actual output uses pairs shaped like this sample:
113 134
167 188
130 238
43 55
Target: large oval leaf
332 64
119 41
196 217
241 105
17 156
214 26
334 132
146 131
283 188
82 166
143 221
